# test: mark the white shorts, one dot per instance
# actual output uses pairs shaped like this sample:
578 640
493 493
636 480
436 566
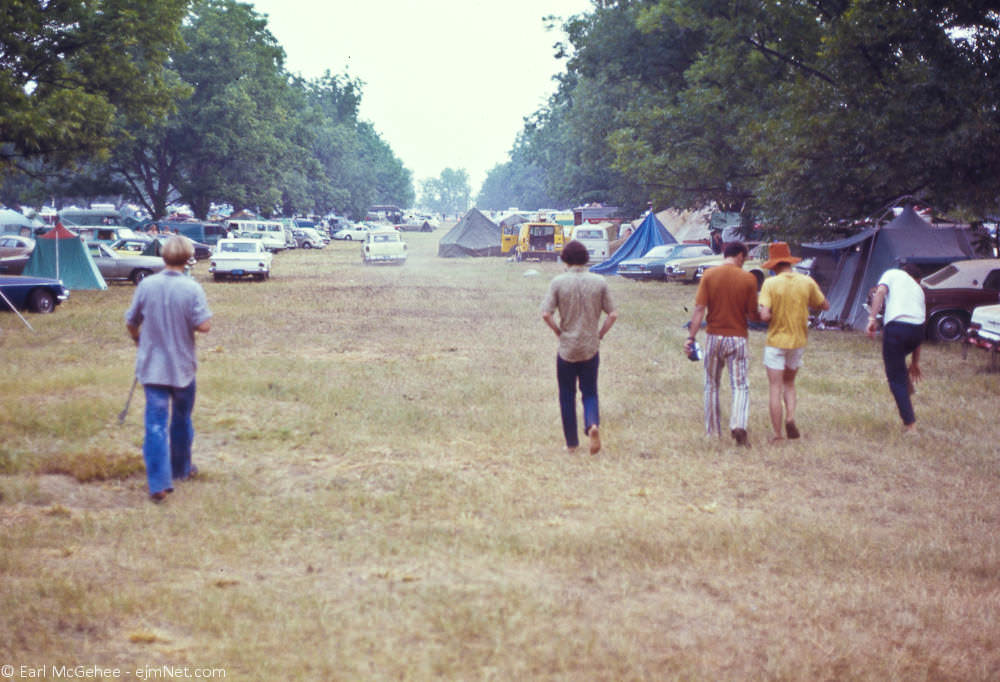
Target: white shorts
783 358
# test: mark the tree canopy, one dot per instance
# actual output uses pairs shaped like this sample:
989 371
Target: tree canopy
807 114
226 123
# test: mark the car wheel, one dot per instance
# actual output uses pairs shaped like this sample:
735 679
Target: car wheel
948 326
139 275
306 245
347 237
41 301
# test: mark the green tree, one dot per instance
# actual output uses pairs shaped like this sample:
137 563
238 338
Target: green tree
234 138
69 70
447 193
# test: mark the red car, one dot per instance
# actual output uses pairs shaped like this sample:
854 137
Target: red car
954 291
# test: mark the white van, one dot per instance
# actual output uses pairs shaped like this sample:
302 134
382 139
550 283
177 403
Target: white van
271 232
596 237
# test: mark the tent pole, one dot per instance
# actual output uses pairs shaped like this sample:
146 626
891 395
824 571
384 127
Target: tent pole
16 311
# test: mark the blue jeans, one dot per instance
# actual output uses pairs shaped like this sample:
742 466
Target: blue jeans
899 339
168 452
568 374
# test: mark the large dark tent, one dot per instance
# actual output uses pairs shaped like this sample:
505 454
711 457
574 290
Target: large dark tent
473 235
62 255
847 269
650 233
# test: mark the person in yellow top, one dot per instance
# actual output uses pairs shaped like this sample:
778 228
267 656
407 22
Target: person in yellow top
785 300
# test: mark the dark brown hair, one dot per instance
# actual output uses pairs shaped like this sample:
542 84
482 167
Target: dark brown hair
575 253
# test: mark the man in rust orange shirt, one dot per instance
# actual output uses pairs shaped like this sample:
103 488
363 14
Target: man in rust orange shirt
727 295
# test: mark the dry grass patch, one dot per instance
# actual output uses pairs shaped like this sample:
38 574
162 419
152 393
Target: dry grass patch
384 495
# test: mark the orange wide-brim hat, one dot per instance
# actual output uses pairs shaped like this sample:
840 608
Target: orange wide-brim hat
778 252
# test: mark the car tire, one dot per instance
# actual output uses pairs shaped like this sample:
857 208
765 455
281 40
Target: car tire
306 245
41 301
948 326
348 237
139 275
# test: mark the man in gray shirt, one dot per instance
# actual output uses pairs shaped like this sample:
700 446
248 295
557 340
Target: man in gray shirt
580 297
168 308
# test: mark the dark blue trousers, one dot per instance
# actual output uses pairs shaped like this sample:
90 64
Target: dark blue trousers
569 374
899 339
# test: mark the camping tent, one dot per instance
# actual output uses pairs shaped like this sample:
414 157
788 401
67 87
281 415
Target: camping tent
847 269
61 254
473 235
648 234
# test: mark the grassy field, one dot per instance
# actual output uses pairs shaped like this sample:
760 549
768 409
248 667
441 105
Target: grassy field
384 494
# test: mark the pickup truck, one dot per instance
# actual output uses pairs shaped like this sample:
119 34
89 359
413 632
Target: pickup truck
239 258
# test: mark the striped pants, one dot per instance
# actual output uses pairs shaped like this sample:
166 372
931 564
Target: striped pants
730 351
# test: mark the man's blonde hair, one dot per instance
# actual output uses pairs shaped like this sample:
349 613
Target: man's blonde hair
177 251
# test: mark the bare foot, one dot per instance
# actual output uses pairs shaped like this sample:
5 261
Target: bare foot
595 439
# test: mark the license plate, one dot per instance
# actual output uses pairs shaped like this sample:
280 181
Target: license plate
239 272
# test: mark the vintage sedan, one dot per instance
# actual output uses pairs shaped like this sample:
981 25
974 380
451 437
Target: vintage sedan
954 291
155 248
984 329
239 258
652 265
690 270
356 232
384 247
37 294
115 266
15 250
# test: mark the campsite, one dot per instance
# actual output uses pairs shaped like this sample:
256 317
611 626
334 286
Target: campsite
383 494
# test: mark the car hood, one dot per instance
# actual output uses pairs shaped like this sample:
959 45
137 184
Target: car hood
12 280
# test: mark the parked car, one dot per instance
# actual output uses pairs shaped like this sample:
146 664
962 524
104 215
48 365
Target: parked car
154 247
309 238
15 250
652 265
984 328
384 246
238 258
357 231
123 267
954 291
37 294
690 270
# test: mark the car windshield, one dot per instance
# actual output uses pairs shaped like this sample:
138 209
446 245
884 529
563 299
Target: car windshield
385 237
691 250
659 251
590 234
941 275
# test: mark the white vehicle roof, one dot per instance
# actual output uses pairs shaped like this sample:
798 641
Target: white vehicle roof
962 274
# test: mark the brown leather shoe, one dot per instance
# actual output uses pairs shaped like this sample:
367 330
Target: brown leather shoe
158 497
741 438
791 429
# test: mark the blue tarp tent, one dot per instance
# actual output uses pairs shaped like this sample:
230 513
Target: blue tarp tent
650 233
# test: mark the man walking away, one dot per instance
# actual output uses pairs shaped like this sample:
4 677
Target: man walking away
728 296
580 297
902 334
785 300
168 308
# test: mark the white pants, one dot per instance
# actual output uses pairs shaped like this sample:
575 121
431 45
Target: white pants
731 351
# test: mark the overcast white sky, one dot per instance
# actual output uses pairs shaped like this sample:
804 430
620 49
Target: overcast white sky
448 83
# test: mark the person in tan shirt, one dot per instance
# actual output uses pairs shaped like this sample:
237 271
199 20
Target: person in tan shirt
727 297
580 297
